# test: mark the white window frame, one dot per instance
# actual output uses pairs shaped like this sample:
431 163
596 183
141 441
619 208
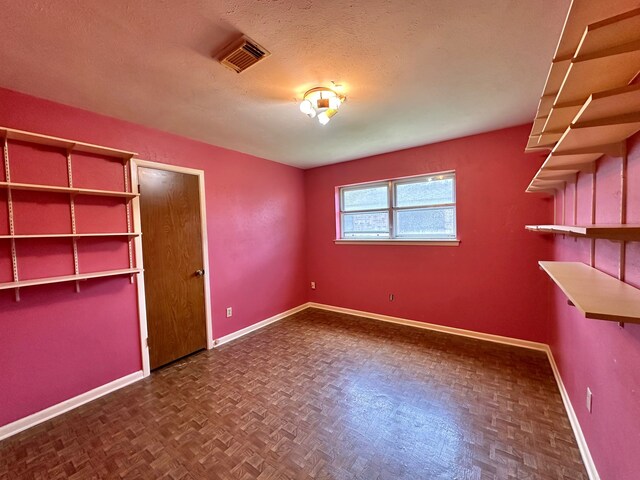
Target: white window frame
392 210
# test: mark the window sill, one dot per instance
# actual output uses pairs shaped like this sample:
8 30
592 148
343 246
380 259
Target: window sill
433 243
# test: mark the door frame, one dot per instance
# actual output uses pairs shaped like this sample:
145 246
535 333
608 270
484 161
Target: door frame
142 304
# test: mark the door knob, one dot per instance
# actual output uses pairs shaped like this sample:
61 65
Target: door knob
199 273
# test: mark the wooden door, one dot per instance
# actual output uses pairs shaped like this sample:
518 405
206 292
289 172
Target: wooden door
173 266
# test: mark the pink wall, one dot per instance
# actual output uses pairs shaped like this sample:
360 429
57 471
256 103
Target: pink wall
599 354
490 283
56 344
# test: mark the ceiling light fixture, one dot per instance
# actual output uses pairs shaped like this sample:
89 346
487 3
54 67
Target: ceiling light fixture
321 102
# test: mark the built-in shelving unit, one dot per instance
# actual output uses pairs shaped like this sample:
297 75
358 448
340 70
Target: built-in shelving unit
626 232
589 107
69 147
596 294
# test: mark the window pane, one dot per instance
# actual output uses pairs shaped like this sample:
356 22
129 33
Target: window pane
426 223
430 191
365 225
359 198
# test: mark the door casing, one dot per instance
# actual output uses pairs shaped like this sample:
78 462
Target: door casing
142 307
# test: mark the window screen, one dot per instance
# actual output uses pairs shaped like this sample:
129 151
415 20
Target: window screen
410 208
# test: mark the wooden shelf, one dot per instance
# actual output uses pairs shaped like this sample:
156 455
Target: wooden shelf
64 143
596 294
596 36
69 190
598 133
628 232
71 235
68 278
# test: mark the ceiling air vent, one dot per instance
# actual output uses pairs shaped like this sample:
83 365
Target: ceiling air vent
242 54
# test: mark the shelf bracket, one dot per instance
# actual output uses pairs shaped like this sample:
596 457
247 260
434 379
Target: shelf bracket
17 292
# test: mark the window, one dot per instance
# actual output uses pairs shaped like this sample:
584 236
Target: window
414 208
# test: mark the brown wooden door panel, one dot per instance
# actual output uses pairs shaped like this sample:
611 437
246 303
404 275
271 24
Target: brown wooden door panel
172 252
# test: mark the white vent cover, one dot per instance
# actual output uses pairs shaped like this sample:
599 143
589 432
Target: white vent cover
242 54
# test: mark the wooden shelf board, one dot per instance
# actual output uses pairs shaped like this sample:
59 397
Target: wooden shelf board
561 116
538 125
555 77
596 294
550 138
611 103
589 135
20 135
567 161
70 235
583 13
68 278
69 190
533 145
629 232
610 32
609 69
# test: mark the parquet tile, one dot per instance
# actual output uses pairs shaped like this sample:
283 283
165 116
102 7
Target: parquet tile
319 396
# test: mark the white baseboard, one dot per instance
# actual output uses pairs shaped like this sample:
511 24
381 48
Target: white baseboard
432 326
573 419
256 326
62 407
587 459
55 410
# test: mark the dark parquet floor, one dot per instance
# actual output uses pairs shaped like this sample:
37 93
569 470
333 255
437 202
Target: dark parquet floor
319 396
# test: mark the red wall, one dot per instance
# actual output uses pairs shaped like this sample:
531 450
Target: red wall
55 343
600 354
490 283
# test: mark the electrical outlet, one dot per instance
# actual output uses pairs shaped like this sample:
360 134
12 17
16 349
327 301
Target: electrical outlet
589 399
391 297
313 285
229 312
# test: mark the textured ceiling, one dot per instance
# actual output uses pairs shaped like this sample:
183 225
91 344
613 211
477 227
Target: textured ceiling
415 72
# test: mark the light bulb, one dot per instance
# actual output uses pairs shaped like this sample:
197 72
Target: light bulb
312 113
334 103
323 118
306 107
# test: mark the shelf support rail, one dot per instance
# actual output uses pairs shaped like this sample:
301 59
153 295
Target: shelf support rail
72 209
14 256
126 165
623 217
592 247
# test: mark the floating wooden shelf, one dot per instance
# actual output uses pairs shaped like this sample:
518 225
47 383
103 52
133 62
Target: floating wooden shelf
68 278
71 235
63 143
69 190
628 232
596 294
596 36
